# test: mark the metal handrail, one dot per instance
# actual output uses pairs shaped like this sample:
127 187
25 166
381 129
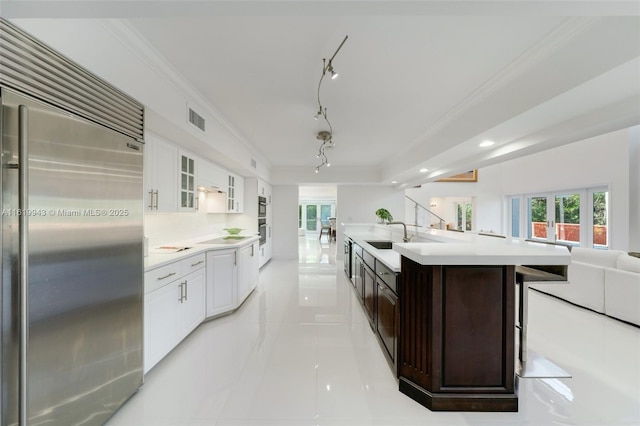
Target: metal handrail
417 204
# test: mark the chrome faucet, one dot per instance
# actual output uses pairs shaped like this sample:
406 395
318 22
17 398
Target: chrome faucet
406 239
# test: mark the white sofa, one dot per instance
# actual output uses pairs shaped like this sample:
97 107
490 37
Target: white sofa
605 281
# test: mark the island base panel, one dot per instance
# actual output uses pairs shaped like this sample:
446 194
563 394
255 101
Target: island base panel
459 402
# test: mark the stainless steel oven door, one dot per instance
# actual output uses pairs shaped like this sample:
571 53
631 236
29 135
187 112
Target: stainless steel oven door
262 207
262 229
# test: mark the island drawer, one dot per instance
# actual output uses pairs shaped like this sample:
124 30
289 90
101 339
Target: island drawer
369 260
387 275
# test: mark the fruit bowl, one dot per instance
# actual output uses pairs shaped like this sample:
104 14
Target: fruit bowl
233 231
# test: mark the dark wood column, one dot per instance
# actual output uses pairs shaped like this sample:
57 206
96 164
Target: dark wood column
456 343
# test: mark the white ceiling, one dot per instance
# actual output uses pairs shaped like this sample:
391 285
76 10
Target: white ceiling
421 83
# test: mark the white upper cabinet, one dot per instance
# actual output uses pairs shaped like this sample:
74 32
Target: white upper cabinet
235 193
211 176
160 175
187 192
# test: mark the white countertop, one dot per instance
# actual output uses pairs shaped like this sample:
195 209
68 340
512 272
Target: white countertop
504 252
390 258
155 260
439 247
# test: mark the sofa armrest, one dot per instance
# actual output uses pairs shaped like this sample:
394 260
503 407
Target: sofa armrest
622 295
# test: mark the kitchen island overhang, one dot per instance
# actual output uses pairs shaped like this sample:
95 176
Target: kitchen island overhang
457 321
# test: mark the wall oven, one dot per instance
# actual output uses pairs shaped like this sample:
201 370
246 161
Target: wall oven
262 229
262 207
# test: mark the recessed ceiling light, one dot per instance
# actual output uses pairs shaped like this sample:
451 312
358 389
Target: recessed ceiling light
394 181
486 144
424 170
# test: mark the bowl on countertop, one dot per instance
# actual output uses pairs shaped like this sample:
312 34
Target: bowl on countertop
233 231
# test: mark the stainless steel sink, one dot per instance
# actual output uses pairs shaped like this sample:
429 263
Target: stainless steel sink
381 245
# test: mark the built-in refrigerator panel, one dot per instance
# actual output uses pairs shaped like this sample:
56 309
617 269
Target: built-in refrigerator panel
84 268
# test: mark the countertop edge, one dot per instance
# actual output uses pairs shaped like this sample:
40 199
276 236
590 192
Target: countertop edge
153 261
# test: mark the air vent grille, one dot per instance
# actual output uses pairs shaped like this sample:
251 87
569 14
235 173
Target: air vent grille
35 69
253 163
196 119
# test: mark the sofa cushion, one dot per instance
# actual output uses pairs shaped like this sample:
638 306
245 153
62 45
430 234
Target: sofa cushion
629 263
596 257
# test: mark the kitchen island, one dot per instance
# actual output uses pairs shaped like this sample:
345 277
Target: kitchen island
456 309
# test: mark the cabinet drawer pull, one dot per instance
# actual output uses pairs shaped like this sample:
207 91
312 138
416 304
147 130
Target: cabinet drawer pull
170 274
383 273
197 263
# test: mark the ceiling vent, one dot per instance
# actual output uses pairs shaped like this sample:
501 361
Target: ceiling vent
253 163
196 119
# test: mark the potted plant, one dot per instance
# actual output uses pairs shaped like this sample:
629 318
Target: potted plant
384 215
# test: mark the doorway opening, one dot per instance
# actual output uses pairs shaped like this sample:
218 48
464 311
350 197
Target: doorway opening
317 207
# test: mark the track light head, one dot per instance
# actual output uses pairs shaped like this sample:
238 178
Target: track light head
334 73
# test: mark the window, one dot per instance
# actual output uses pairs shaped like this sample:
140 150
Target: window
599 199
577 217
515 216
312 214
464 216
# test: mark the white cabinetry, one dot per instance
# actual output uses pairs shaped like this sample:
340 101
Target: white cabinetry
211 175
174 304
194 303
235 193
231 276
160 175
221 281
247 271
188 196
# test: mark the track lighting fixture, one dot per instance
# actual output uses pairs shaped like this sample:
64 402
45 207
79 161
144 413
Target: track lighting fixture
326 136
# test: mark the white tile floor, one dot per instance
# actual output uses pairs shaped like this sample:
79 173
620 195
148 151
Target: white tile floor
300 352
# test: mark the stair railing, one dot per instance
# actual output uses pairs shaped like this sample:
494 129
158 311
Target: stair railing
418 206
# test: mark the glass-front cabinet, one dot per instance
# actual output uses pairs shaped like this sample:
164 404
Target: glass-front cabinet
188 199
235 193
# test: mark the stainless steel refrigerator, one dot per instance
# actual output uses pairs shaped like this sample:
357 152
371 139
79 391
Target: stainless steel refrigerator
72 254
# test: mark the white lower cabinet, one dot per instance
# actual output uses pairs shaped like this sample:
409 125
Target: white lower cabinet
180 295
194 302
221 281
231 277
249 263
174 305
161 323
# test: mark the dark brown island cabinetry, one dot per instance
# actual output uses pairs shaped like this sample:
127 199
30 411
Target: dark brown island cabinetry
456 349
369 286
387 313
357 271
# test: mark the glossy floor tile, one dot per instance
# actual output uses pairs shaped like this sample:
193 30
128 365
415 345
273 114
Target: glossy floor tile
300 352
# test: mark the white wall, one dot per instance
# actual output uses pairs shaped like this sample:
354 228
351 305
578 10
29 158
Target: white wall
486 195
171 228
358 203
610 159
634 189
285 221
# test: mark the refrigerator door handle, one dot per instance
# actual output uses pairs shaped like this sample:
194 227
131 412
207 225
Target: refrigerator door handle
23 236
